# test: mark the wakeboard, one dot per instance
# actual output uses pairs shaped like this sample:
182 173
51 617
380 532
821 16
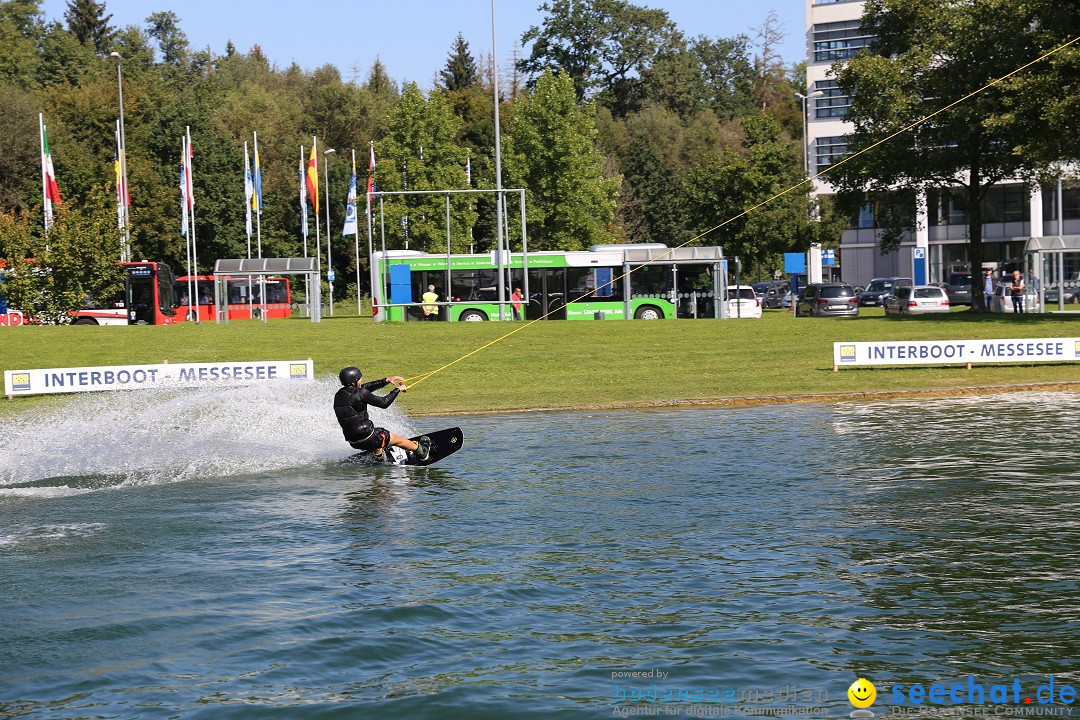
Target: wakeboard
443 443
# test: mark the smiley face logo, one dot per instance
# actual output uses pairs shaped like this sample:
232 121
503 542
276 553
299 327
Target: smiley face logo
862 693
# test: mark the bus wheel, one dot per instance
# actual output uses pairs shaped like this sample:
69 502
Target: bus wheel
473 316
256 313
85 321
648 312
192 316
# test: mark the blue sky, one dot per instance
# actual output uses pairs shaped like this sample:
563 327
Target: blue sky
412 38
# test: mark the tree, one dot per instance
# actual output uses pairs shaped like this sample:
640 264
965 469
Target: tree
928 54
714 74
52 278
88 22
551 152
731 182
165 28
602 45
460 72
420 152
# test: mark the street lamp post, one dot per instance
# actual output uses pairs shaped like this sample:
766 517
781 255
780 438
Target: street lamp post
806 174
329 265
126 252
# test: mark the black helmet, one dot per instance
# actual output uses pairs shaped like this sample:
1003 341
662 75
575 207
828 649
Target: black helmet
349 375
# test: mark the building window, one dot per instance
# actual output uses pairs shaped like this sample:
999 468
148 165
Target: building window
829 151
835 102
1070 199
1005 203
839 40
946 206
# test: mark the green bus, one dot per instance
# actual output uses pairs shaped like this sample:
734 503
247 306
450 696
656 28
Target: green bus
646 281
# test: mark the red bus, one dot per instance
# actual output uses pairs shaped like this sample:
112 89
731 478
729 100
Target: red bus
147 299
243 297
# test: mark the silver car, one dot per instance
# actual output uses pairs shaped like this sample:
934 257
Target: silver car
917 300
827 300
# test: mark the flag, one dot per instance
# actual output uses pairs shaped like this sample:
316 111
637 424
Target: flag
257 207
51 192
189 156
371 174
123 199
303 200
468 172
183 200
350 209
313 180
249 193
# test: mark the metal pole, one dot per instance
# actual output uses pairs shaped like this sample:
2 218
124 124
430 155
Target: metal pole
126 254
356 241
326 193
524 252
382 260
446 290
498 165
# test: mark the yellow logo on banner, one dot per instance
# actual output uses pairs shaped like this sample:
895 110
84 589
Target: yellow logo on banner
20 381
847 353
297 371
1077 348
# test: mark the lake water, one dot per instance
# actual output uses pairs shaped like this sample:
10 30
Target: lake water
206 555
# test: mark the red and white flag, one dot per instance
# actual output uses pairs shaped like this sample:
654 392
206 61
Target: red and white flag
49 189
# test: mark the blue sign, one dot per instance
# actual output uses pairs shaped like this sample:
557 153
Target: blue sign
828 256
330 275
794 263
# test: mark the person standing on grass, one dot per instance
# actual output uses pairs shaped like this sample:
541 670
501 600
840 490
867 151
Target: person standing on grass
1016 289
988 288
515 303
431 311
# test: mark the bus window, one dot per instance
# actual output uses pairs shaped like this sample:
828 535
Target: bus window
474 285
581 282
166 296
650 281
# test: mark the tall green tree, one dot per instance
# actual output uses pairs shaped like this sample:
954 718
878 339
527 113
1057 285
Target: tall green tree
460 71
50 278
88 22
551 152
420 152
732 182
928 54
172 41
602 45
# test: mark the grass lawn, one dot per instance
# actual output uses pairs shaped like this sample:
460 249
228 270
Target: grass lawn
562 364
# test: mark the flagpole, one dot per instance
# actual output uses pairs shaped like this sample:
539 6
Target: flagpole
120 224
248 190
356 239
376 308
46 209
191 213
126 254
258 193
184 230
318 239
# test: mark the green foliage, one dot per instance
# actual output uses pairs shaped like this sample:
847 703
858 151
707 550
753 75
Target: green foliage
930 54
601 45
88 22
460 72
51 277
552 154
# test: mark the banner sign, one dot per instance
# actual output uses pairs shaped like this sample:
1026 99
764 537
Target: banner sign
938 352
137 377
11 318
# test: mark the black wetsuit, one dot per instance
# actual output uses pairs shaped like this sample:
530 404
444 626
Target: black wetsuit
350 406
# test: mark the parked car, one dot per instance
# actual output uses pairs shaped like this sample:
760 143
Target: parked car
760 288
958 288
774 296
917 300
742 302
880 287
828 300
1002 301
1072 295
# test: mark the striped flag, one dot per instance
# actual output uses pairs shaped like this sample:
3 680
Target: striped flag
257 207
350 209
249 194
123 198
468 171
371 174
303 200
50 190
183 190
313 179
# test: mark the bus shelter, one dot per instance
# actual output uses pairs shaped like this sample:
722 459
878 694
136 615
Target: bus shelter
694 277
263 268
1055 263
